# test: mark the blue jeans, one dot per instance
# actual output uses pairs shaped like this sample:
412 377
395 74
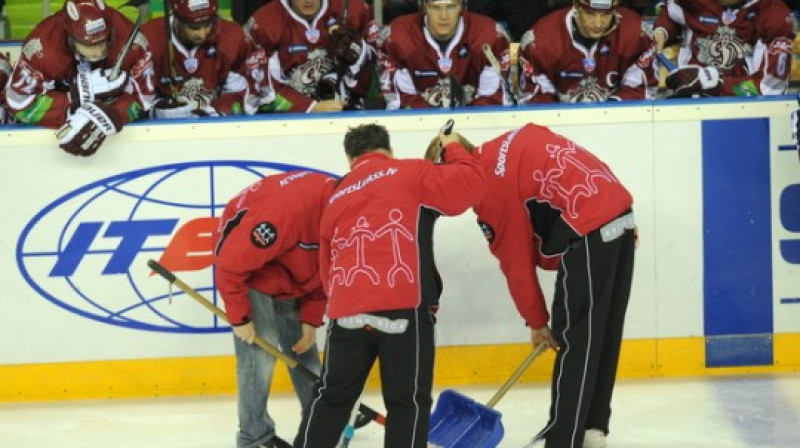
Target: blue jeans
277 322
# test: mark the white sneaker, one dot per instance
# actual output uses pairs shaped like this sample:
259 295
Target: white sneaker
594 438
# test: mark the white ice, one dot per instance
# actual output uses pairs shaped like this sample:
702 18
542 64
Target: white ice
709 412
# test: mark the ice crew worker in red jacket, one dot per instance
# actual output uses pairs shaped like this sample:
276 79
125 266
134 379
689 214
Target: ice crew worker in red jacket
267 271
550 202
377 268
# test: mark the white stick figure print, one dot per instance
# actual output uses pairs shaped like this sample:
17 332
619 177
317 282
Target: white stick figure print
395 230
359 236
550 186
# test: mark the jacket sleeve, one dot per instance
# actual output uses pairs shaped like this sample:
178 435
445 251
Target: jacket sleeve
243 249
665 22
312 308
454 186
507 226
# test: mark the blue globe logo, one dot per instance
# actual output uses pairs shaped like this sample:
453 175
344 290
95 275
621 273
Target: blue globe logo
87 251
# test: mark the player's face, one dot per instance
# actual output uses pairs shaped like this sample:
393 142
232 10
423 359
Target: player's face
593 23
443 18
306 8
194 34
92 52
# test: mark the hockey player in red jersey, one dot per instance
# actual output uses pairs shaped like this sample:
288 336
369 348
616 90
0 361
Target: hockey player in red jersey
315 55
729 47
201 68
435 58
5 72
267 272
592 51
63 76
551 203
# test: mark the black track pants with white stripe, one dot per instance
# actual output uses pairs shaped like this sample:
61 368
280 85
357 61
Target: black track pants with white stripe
589 304
406 371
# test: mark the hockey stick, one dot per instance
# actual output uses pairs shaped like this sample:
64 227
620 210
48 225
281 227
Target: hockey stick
665 62
266 346
144 11
170 52
350 429
487 51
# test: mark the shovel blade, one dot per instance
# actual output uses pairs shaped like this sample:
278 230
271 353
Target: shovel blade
460 422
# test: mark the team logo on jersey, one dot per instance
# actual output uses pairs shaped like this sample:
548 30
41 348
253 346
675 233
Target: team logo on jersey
191 65
729 16
312 35
445 64
589 64
263 235
723 49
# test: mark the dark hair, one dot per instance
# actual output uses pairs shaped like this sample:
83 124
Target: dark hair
365 138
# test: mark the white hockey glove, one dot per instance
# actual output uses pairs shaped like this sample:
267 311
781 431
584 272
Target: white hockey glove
97 86
87 129
694 80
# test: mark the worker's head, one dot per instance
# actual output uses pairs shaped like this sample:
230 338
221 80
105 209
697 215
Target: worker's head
366 138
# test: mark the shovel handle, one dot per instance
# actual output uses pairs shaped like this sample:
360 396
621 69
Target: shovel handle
517 373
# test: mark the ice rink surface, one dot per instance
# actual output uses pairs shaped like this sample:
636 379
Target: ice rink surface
709 412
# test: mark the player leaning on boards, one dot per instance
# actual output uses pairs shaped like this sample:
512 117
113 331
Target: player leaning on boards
552 203
63 76
729 47
315 55
435 58
200 69
592 51
377 268
267 271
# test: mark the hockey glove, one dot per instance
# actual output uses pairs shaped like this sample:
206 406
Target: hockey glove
96 86
344 46
327 87
694 80
87 129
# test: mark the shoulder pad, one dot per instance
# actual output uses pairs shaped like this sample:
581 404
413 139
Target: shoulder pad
527 39
33 48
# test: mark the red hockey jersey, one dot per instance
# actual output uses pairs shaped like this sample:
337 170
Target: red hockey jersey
38 92
295 55
376 245
213 74
553 67
537 180
416 73
268 240
750 45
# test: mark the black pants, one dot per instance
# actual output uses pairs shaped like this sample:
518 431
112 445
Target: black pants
406 371
589 304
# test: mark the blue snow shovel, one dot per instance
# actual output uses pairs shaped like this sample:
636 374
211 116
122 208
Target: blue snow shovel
460 422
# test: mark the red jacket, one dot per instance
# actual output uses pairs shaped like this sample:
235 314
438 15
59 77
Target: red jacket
376 242
538 181
267 240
